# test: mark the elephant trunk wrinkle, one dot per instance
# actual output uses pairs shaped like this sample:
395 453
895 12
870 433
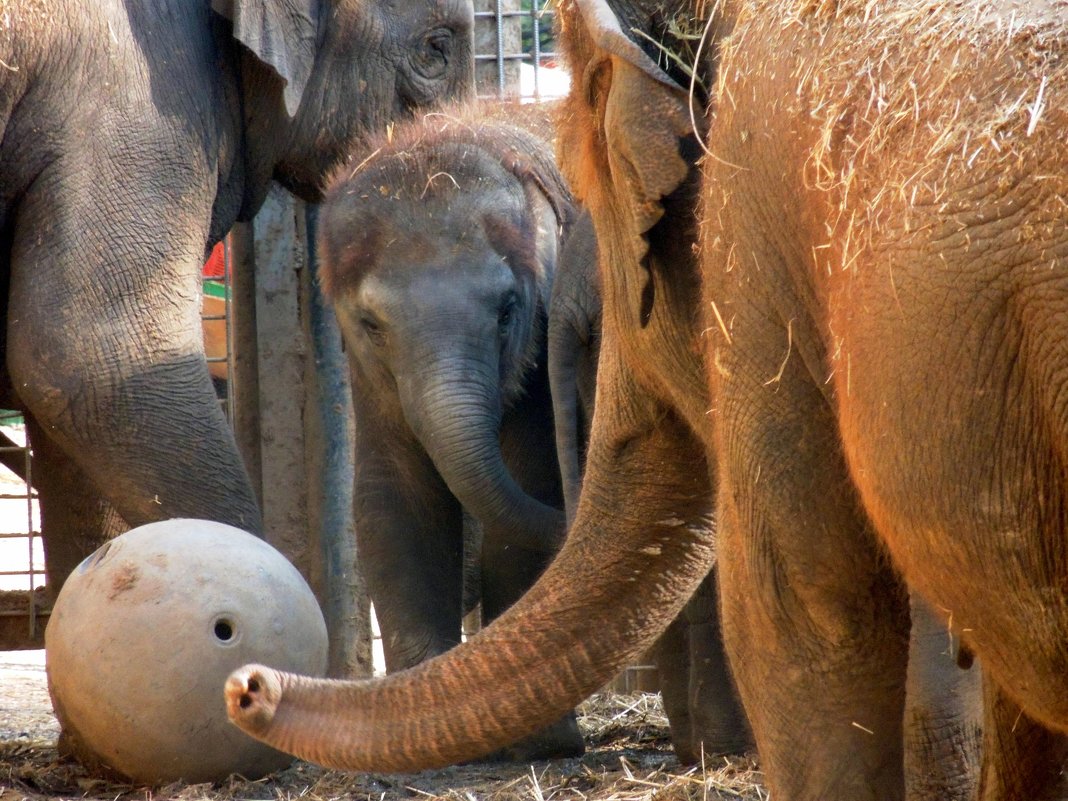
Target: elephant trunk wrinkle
457 417
521 673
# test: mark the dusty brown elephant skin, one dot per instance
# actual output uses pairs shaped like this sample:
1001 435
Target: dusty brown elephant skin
439 251
134 134
898 329
868 397
697 692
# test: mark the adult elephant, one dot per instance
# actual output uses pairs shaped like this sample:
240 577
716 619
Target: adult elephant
438 253
134 134
877 316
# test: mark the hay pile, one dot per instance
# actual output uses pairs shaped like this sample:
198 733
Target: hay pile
629 759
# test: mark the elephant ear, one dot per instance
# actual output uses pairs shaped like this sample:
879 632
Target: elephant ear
280 33
548 229
628 146
638 116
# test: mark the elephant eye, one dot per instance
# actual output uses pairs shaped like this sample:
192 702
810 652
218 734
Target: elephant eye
433 53
373 330
507 311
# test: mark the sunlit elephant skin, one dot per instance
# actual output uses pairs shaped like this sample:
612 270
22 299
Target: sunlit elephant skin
695 686
841 437
894 326
439 251
133 134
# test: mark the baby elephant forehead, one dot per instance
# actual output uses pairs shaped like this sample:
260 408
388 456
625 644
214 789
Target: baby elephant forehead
442 219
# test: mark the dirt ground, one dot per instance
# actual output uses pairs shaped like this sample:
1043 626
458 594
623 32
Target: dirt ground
629 759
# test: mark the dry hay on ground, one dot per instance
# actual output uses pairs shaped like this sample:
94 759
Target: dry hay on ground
629 759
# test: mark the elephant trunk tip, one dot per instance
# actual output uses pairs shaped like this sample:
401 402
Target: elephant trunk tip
253 693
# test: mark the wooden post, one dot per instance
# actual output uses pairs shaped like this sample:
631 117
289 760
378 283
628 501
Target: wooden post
305 443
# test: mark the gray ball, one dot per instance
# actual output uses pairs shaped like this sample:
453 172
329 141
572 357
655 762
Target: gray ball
145 632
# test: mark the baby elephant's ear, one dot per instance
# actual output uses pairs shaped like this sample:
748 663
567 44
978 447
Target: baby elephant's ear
547 230
282 34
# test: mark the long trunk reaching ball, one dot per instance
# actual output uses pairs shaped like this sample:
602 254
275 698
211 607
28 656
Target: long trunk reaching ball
617 582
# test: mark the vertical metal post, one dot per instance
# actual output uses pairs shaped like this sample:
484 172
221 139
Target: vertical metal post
244 366
500 48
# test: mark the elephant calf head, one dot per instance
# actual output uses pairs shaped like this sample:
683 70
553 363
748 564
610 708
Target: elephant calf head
438 253
452 215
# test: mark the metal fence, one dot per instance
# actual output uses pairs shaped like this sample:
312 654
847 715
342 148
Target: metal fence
515 50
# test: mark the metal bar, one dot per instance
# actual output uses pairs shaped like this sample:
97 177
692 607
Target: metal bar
536 44
515 56
500 49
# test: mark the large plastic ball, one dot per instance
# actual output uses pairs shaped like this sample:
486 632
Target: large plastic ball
145 632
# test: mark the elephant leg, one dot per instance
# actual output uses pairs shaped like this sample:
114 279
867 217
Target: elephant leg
814 620
104 341
671 653
943 712
1022 761
700 700
718 722
75 519
409 541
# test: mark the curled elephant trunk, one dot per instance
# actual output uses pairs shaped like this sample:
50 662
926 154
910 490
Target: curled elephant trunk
560 642
456 415
612 589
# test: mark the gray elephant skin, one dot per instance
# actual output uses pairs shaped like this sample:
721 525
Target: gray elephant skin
867 358
438 253
574 347
134 134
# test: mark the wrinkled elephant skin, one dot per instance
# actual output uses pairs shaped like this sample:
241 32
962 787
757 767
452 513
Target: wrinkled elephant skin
132 136
868 361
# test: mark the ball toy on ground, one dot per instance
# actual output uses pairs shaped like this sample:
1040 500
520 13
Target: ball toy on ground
146 630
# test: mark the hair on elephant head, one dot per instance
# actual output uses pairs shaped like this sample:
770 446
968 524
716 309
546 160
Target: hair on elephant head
132 135
438 252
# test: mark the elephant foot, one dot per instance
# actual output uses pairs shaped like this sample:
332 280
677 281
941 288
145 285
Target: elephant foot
721 731
690 751
557 741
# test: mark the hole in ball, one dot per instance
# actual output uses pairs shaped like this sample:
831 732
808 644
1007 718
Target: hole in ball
253 686
246 701
224 630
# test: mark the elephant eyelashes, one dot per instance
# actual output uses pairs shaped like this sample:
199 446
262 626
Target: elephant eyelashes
373 330
507 312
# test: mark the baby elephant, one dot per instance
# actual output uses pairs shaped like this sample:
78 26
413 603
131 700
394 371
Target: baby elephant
438 252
